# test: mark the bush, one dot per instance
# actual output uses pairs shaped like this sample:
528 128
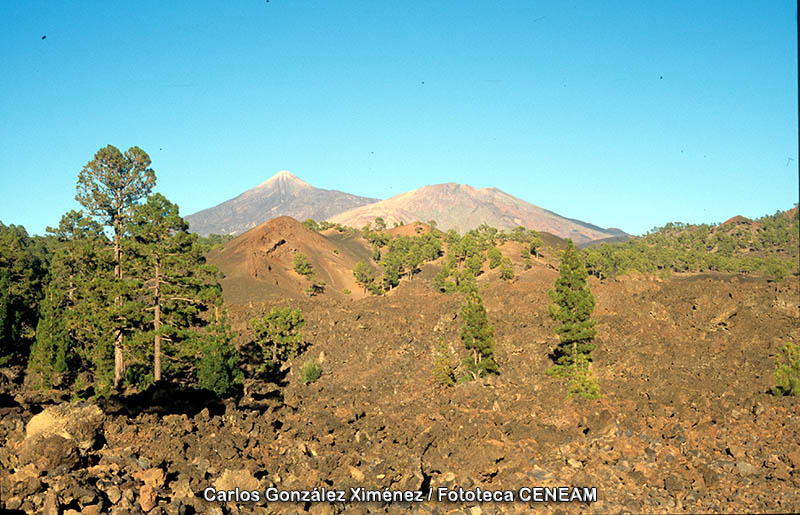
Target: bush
277 334
443 368
506 270
218 367
311 371
787 375
302 266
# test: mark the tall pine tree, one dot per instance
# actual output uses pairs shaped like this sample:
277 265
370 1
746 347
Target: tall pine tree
478 337
72 311
573 308
108 187
178 286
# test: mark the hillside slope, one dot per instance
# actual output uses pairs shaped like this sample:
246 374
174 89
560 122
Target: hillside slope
462 207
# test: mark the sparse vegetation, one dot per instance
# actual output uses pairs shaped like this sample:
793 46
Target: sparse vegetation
312 371
767 246
787 374
302 266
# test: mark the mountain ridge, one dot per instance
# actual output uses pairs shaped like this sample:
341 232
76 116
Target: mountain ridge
463 207
283 194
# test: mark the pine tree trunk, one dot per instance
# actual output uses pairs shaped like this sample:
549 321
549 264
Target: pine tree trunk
575 357
157 326
119 362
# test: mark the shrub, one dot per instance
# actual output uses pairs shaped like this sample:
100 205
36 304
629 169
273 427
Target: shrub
302 266
279 332
218 368
311 371
506 270
787 374
495 257
443 368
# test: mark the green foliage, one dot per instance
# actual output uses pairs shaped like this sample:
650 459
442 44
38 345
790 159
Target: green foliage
346 291
767 246
213 242
535 245
312 371
443 368
52 350
506 269
573 307
399 256
72 335
495 257
218 364
177 285
23 264
278 331
302 266
363 274
478 337
581 382
787 375
108 187
311 224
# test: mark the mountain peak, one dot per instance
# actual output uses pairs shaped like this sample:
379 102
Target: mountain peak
285 177
283 194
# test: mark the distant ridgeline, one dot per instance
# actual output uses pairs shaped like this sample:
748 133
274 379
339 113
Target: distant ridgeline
768 246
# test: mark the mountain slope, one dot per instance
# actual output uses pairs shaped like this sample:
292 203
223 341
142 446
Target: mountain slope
281 195
462 207
258 265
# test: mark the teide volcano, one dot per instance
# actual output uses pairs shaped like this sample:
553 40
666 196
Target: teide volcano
462 207
283 194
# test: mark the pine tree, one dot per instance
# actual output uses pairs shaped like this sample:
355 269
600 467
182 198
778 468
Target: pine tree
443 368
218 363
302 266
478 337
174 275
506 269
363 274
573 307
77 269
22 272
108 186
495 257
280 331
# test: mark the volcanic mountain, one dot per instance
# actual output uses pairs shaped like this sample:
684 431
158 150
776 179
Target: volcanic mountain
283 194
259 265
462 207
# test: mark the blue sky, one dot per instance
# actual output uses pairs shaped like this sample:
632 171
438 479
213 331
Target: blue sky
622 114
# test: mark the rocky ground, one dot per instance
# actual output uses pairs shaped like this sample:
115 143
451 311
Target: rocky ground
686 423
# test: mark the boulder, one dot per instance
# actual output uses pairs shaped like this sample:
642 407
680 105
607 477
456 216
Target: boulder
57 437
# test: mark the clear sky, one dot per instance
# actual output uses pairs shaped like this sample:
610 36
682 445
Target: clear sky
621 114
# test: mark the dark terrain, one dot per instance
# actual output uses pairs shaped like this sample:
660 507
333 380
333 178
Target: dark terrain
685 425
